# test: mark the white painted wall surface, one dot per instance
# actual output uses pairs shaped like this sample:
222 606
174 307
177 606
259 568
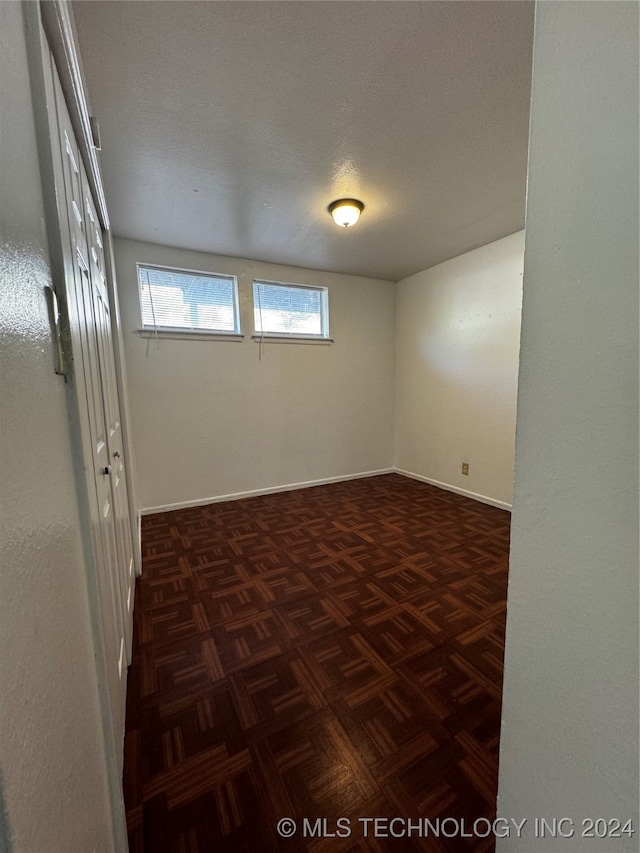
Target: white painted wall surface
457 340
570 712
52 774
211 419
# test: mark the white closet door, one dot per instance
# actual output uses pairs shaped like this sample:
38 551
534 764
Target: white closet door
94 378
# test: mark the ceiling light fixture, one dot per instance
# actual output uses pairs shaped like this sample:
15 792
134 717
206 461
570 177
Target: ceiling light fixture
346 211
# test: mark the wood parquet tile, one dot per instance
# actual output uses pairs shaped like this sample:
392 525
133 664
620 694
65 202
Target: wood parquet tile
332 652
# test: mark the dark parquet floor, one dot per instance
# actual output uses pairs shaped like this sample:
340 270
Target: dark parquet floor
332 652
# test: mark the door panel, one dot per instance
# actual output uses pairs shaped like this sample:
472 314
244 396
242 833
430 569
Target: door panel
102 313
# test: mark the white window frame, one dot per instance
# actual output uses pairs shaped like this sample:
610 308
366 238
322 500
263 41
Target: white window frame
154 331
294 337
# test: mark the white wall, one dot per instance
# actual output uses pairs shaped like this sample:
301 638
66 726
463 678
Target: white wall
53 776
457 340
569 743
210 419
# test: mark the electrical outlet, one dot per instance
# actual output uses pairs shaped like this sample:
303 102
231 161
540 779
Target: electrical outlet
465 467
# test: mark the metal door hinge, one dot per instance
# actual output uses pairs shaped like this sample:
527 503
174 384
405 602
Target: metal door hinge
95 133
60 364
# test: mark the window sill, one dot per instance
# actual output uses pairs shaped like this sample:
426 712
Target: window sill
290 339
184 335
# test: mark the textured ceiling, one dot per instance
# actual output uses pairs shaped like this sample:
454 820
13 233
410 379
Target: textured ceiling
229 127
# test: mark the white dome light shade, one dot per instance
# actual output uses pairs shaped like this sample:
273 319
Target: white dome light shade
346 211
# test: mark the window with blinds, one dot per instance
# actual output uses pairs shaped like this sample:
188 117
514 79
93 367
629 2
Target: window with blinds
290 310
186 301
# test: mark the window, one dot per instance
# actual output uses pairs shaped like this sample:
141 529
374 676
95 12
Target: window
290 310
187 301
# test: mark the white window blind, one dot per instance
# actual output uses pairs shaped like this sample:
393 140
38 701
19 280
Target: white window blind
290 309
181 300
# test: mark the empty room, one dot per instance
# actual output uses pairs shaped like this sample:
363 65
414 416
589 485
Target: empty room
319 426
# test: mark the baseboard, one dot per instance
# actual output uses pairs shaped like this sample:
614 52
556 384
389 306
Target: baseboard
473 495
289 487
138 562
254 493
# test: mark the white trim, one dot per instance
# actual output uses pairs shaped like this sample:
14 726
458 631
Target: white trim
139 542
449 488
235 496
58 23
320 287
121 658
187 270
188 335
269 491
275 338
